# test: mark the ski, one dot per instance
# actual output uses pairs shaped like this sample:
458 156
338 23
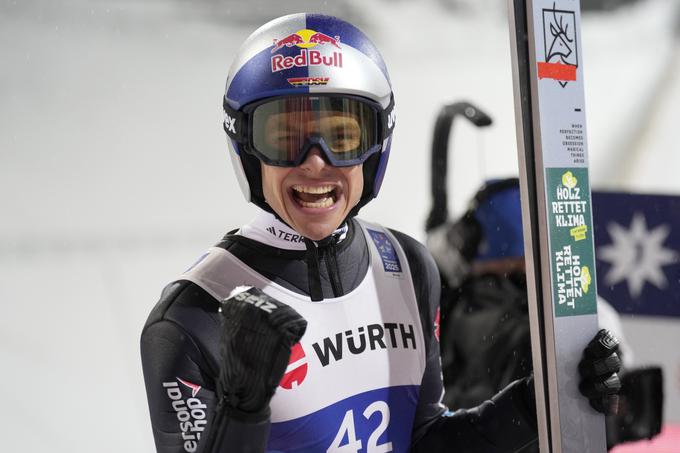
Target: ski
558 235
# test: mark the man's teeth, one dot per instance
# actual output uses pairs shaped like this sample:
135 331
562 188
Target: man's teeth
313 189
323 203
318 196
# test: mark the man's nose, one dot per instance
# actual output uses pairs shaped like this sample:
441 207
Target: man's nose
315 160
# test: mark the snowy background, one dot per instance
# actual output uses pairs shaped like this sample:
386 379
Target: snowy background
114 172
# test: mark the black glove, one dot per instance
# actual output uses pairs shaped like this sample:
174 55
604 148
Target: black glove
598 369
258 333
640 413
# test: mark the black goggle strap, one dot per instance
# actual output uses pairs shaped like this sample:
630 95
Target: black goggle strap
388 118
234 123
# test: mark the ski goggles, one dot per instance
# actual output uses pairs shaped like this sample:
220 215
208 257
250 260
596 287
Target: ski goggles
280 131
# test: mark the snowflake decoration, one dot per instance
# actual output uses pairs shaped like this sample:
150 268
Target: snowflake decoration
637 255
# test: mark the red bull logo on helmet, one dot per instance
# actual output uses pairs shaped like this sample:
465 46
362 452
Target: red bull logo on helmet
306 40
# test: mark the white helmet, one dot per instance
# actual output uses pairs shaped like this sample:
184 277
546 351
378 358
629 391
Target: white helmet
323 61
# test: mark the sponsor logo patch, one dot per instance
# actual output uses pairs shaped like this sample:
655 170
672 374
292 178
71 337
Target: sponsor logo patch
285 235
388 254
306 40
334 348
229 123
389 335
190 412
261 301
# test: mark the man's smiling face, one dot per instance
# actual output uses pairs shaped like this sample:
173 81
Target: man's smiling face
314 197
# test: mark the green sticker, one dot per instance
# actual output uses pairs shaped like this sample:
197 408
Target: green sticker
572 260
